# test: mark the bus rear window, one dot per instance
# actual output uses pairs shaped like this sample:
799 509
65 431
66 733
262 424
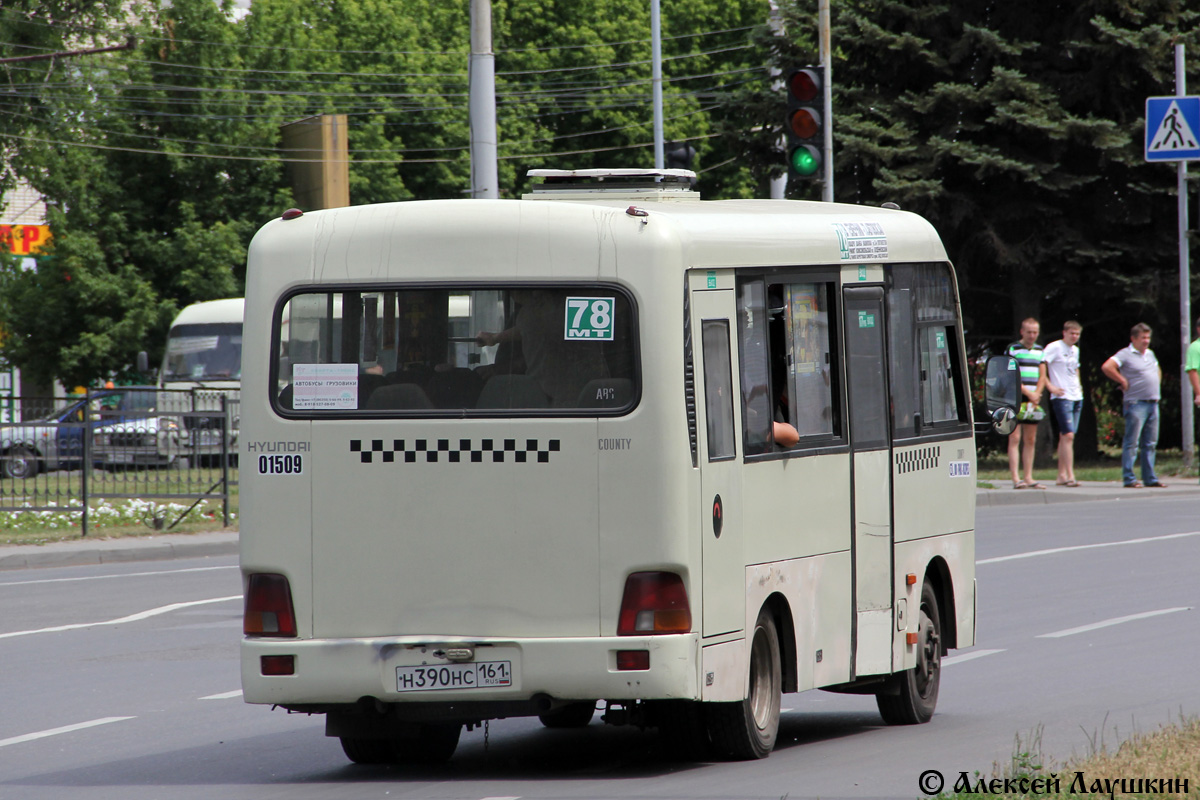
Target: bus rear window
456 351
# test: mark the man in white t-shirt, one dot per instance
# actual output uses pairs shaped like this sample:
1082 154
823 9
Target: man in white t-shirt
1060 369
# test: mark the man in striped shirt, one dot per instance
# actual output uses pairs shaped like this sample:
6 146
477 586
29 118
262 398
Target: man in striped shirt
1028 354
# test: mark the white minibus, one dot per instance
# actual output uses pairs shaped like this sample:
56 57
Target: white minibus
607 445
202 372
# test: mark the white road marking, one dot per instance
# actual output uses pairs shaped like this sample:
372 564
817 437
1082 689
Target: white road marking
124 575
968 656
141 615
1109 622
224 695
1052 551
29 737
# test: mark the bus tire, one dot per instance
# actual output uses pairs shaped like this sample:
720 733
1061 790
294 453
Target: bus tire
910 697
748 729
435 743
368 751
572 715
20 462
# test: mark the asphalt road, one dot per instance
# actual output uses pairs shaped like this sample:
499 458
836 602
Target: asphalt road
1087 632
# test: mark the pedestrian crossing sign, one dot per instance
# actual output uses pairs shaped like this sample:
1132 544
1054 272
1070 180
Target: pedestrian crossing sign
1172 128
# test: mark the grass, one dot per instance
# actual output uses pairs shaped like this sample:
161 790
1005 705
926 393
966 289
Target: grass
993 468
151 504
1171 752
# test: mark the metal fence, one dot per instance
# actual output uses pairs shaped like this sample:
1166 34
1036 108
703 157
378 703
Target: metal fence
125 444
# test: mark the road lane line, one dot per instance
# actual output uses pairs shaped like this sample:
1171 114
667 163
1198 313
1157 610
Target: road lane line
29 737
141 615
968 656
224 695
1109 622
118 575
1052 551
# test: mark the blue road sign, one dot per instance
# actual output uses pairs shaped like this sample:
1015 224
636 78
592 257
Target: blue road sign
1172 128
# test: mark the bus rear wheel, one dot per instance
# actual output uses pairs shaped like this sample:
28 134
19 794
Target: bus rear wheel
434 744
748 729
910 697
368 751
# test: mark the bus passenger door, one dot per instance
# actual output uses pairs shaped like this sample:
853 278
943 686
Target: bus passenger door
871 475
713 351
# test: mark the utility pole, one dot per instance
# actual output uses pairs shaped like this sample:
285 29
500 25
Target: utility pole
481 114
656 80
775 22
1187 419
823 53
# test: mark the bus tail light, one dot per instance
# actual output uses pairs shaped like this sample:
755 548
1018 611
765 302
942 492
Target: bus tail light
654 602
269 606
278 665
630 660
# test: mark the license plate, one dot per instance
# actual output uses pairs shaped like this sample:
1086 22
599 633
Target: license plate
121 458
438 677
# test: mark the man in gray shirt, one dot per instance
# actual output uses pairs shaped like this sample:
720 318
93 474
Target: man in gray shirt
1135 369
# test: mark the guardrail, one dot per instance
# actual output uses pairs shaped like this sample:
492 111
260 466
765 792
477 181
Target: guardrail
147 444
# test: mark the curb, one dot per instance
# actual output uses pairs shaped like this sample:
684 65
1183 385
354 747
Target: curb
1087 491
109 551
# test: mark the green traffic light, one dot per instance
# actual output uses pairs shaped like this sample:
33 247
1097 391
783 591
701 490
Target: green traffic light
805 161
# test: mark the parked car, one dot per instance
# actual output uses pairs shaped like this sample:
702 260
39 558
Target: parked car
56 440
146 441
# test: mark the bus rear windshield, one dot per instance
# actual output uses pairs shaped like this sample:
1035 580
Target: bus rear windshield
456 351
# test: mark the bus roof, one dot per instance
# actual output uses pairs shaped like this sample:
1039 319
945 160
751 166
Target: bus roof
227 310
557 234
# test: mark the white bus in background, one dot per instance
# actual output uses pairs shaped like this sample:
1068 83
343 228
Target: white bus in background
204 347
202 372
605 444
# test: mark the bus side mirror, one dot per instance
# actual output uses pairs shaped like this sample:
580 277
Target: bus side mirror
1002 393
143 362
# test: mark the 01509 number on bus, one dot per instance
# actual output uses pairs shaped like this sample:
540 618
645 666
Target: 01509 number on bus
281 465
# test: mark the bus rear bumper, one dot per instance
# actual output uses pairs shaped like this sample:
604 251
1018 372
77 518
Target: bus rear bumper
425 670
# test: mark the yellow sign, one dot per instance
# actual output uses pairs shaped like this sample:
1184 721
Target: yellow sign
24 240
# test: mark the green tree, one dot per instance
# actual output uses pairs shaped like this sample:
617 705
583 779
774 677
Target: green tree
1018 131
160 163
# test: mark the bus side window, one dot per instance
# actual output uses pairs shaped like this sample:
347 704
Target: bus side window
788 383
938 401
756 387
801 357
924 360
718 389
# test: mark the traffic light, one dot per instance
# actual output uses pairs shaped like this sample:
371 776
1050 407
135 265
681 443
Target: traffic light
804 126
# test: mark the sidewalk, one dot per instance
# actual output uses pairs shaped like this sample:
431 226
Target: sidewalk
129 548
1005 495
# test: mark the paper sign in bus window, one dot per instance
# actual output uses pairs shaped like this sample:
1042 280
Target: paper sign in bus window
590 319
324 386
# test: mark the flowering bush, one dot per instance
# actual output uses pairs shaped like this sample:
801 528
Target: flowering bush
102 515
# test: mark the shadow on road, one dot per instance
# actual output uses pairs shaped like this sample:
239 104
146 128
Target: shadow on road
516 750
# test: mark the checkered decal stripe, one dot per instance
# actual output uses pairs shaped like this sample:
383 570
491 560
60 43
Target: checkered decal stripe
433 451
918 459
